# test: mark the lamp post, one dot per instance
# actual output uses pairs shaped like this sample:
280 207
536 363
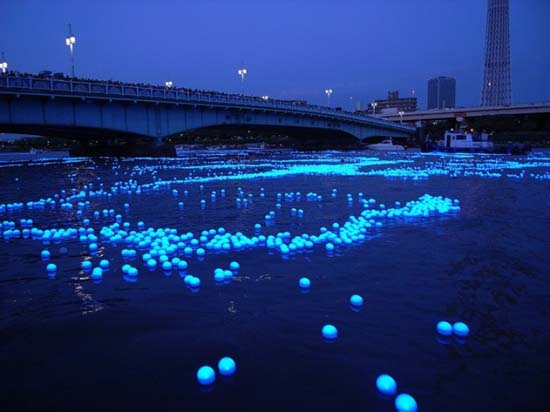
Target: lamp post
168 84
265 98
242 72
70 41
3 64
374 104
401 113
328 92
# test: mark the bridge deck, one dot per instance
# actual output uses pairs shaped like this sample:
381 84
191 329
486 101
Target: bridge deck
50 86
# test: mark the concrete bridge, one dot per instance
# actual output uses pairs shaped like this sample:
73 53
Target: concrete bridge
83 109
469 112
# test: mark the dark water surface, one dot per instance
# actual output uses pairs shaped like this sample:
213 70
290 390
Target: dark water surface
68 343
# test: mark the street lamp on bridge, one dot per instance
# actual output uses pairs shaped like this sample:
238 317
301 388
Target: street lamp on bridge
3 64
328 92
401 113
265 98
168 84
242 72
70 41
374 104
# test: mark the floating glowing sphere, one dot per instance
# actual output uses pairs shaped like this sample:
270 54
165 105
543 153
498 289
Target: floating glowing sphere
86 265
234 266
356 301
329 332
194 282
206 375
386 385
227 366
51 268
97 273
45 254
444 328
405 403
304 283
461 329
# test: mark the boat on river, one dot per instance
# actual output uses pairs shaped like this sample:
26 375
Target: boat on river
386 145
472 142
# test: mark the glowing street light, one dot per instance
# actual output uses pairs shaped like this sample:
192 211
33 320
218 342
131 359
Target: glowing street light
3 64
242 72
374 104
265 98
328 92
70 41
401 113
168 84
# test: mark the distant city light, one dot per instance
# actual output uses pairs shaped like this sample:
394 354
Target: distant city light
328 92
401 113
70 41
242 72
265 98
168 84
3 64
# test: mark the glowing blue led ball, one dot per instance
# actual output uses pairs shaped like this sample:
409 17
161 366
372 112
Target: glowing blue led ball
151 263
219 276
356 301
227 274
51 268
201 252
461 329
405 403
194 282
132 272
234 266
444 328
92 247
386 385
182 265
126 268
206 375
86 265
329 247
329 332
166 266
257 226
227 366
97 273
104 264
45 254
304 283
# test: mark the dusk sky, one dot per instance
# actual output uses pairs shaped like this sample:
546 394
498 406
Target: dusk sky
291 49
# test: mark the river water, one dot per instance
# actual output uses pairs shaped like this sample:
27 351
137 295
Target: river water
422 238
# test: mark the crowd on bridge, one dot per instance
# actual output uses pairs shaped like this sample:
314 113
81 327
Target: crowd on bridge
183 90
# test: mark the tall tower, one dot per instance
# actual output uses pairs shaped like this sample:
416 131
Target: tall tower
497 79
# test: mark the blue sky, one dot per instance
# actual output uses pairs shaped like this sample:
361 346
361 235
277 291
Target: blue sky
292 49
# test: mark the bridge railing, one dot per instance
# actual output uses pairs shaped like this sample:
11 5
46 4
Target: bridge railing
52 85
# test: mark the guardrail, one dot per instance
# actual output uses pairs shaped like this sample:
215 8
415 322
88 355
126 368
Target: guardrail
78 87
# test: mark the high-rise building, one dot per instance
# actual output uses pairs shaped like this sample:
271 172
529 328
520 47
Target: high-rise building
497 79
393 104
441 93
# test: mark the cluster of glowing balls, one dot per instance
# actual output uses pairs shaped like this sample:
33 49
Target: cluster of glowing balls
206 375
387 386
460 329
